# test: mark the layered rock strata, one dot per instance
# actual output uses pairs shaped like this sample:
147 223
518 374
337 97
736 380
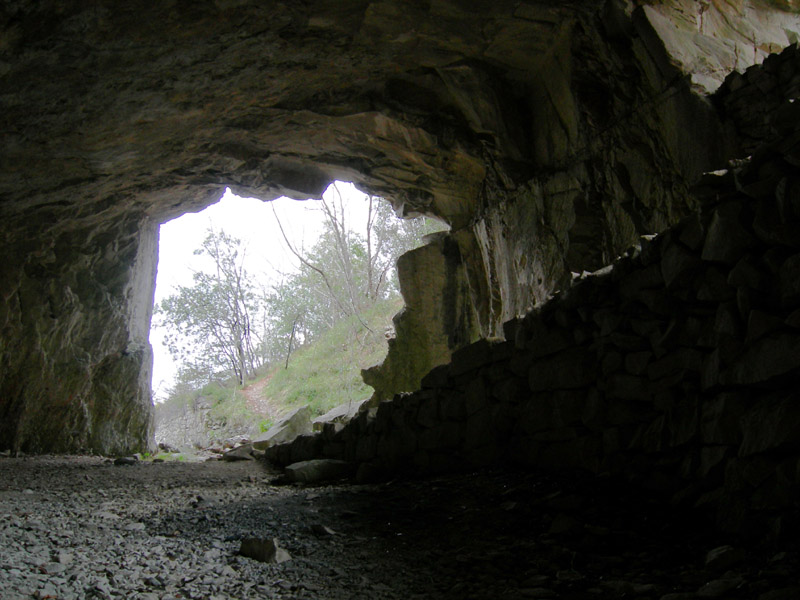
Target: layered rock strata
675 366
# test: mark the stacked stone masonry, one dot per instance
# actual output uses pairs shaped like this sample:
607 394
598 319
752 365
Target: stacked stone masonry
676 367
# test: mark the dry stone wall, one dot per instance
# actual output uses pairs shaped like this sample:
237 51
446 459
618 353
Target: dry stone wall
675 367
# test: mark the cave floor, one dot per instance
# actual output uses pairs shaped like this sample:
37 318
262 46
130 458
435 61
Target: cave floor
81 527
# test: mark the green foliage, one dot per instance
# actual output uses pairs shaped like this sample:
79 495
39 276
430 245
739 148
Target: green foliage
316 328
327 373
265 425
210 321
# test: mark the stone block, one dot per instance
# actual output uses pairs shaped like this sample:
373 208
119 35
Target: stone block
593 414
681 423
340 414
453 407
727 239
476 397
720 419
714 286
711 464
679 266
691 232
436 377
683 359
607 320
366 448
627 387
629 342
636 362
428 413
727 320
611 362
296 423
773 356
510 391
771 425
470 357
333 450
747 273
313 471
760 323
306 447
570 369
535 415
789 282
581 453
479 430
562 434
550 342
451 435
657 302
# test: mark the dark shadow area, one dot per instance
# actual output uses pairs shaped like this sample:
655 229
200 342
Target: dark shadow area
174 530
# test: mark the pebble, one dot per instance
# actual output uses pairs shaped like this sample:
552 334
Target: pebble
175 530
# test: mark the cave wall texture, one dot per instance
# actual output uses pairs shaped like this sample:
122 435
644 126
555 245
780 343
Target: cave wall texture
675 367
549 135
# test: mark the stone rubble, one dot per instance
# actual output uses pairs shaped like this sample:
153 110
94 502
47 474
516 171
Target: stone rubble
89 530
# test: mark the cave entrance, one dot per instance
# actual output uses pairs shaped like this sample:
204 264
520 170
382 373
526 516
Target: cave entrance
265 307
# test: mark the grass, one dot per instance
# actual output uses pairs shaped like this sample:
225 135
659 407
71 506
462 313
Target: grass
327 373
321 375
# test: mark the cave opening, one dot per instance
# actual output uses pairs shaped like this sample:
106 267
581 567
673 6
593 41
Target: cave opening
263 307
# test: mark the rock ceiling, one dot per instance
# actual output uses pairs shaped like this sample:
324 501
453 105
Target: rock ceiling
548 134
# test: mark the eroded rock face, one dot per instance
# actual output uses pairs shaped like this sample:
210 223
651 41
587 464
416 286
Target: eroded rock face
548 134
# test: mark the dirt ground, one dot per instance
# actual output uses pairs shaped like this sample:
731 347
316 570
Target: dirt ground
81 527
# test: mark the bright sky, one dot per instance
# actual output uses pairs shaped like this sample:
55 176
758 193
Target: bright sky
250 220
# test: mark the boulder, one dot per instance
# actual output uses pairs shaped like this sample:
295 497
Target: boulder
241 453
287 429
340 414
323 469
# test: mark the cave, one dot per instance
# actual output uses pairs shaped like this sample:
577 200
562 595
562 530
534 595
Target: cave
617 291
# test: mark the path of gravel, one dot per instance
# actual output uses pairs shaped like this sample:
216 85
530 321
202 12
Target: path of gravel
80 527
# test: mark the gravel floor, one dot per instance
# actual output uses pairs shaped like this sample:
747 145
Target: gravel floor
81 527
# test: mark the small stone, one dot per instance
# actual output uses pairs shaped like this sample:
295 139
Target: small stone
318 470
321 530
264 550
241 453
724 557
718 588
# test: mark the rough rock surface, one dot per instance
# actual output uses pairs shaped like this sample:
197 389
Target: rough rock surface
296 423
78 528
548 134
674 366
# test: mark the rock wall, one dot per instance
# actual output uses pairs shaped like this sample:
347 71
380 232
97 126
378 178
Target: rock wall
674 367
549 135
75 362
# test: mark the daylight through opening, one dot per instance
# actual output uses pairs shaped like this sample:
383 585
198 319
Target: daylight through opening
265 308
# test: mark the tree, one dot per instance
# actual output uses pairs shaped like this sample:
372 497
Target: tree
345 272
210 321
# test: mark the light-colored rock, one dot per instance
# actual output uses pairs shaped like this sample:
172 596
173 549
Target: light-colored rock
264 550
296 423
339 414
244 452
312 471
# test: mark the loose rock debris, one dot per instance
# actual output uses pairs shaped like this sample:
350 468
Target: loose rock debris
80 527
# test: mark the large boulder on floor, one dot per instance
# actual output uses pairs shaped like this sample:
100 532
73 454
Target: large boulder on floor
340 414
312 471
287 429
244 452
